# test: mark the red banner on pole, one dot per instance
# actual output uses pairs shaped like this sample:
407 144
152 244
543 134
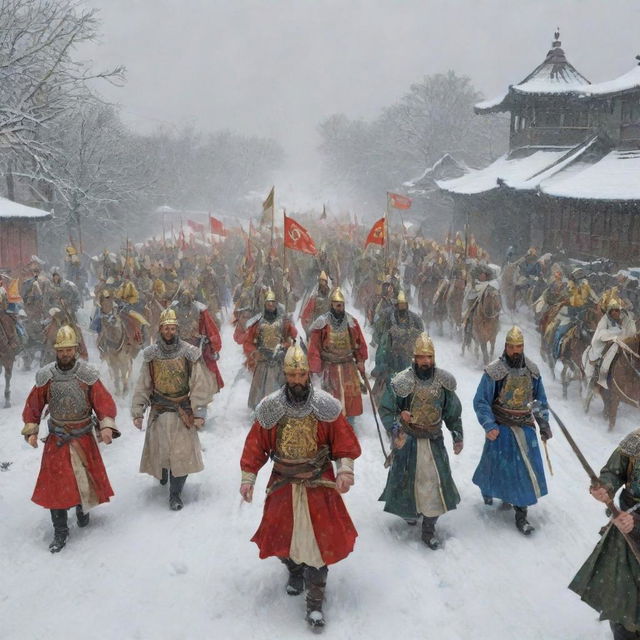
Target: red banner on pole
215 226
376 235
296 237
196 226
399 202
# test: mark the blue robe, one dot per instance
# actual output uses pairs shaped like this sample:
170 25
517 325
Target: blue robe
502 472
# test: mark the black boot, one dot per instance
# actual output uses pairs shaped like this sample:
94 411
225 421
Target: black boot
316 581
429 536
521 521
165 477
295 584
175 489
60 529
488 500
81 516
620 632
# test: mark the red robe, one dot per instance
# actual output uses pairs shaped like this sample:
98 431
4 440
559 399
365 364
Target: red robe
56 487
332 526
335 373
207 327
250 341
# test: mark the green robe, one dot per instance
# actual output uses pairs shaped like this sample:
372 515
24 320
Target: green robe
399 492
609 581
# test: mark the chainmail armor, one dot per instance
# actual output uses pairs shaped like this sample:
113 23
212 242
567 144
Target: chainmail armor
630 444
276 406
81 370
161 351
328 318
404 383
498 369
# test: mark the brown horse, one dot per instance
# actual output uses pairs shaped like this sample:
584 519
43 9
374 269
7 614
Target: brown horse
485 322
9 348
623 379
428 281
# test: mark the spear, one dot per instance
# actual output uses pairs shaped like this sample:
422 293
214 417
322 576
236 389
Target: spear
595 481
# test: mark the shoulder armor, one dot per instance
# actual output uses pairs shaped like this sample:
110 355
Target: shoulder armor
320 322
497 369
630 445
445 379
532 366
324 406
87 373
189 351
270 409
44 374
150 353
199 306
404 382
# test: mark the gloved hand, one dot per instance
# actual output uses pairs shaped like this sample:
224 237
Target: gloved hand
545 429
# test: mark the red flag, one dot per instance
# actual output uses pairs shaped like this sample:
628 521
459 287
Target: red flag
182 243
215 226
376 235
297 238
196 226
399 202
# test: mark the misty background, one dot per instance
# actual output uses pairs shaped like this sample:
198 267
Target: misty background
205 104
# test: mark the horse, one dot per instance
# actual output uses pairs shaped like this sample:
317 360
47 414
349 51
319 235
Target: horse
428 282
9 349
623 379
439 305
485 322
454 300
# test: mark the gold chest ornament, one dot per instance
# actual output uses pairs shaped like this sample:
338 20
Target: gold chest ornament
68 400
425 404
297 438
516 392
171 377
338 341
270 334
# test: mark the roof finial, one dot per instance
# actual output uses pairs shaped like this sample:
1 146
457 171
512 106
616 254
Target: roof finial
556 41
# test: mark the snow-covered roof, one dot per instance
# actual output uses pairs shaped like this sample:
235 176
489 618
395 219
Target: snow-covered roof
626 82
614 177
14 210
512 169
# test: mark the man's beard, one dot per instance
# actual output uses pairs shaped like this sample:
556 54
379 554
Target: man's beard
67 366
270 315
403 313
516 361
423 372
338 315
298 393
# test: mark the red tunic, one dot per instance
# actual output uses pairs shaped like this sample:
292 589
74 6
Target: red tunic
56 487
332 526
340 380
207 327
306 315
250 342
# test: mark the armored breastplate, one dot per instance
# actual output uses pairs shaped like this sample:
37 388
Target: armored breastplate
517 390
338 340
68 397
426 404
297 437
170 376
270 334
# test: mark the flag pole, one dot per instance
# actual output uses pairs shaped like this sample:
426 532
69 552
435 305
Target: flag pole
386 235
284 248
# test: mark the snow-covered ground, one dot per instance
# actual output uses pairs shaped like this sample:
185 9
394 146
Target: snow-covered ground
142 571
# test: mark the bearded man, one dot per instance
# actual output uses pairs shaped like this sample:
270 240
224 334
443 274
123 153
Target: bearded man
511 465
175 384
72 473
317 304
413 408
305 522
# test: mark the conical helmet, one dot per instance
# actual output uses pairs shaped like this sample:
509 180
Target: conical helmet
295 360
66 337
402 298
515 337
614 303
424 346
323 276
337 295
168 316
271 296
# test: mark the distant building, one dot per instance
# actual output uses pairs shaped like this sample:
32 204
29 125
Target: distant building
571 178
18 233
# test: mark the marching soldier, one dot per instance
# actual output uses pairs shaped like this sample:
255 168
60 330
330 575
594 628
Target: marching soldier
176 386
72 473
317 304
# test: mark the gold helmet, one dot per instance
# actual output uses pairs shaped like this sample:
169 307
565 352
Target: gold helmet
66 337
337 295
168 316
402 298
271 296
295 360
323 276
614 303
514 337
424 346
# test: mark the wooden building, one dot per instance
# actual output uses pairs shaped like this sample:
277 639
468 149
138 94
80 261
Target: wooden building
18 233
571 178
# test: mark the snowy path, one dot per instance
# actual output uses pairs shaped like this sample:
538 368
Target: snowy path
141 571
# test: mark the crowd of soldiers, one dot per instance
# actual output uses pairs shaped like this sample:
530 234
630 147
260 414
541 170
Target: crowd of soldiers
169 301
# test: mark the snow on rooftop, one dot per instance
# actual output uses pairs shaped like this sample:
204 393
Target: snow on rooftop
625 82
614 177
510 170
490 104
10 209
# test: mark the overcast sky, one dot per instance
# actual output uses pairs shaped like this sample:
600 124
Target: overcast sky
277 67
